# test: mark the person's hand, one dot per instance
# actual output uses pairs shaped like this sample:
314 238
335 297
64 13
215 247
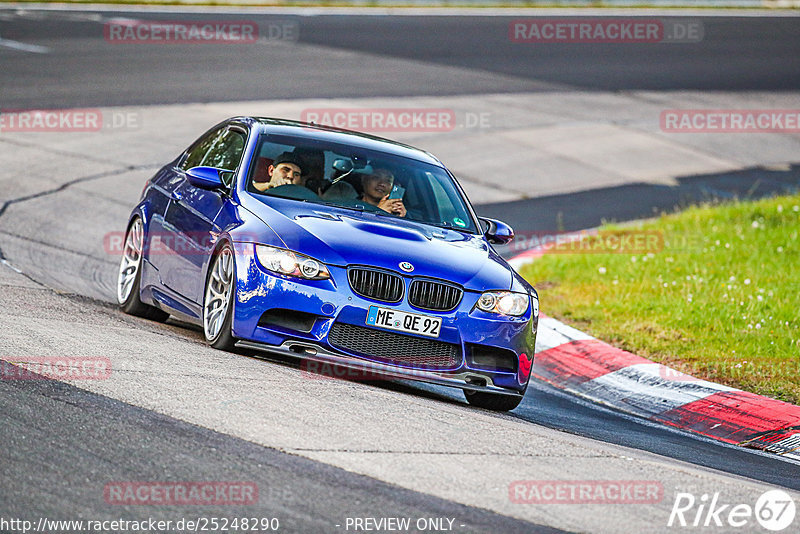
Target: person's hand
394 206
275 181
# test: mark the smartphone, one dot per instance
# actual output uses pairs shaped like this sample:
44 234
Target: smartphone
397 192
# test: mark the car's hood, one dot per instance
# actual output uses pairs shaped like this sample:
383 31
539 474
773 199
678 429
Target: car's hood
345 237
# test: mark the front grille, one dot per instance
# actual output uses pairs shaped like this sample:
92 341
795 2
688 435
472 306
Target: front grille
431 295
397 349
374 284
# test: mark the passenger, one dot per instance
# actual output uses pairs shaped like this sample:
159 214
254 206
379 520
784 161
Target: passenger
377 187
285 169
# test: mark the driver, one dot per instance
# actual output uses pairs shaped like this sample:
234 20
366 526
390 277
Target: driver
287 168
377 187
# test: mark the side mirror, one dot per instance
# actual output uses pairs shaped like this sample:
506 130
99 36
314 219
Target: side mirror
205 177
497 232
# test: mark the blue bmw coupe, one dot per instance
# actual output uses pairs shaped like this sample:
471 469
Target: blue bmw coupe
337 247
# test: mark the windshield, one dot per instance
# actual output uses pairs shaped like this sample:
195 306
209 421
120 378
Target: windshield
355 178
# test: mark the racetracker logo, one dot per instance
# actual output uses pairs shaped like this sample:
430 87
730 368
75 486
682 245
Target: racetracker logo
586 492
185 244
738 368
181 493
384 119
56 368
730 121
67 120
605 30
321 371
119 31
601 242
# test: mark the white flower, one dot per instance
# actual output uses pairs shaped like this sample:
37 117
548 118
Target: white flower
795 208
780 249
601 270
780 208
758 325
754 224
732 279
633 259
760 298
727 245
747 281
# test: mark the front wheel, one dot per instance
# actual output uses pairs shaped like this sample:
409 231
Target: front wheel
130 276
218 304
492 401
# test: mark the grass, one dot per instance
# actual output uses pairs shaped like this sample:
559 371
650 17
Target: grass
720 300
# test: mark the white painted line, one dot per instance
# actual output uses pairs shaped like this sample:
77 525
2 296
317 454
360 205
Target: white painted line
124 21
788 446
647 389
553 333
24 47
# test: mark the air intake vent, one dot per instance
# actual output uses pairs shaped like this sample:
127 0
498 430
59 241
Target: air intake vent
397 349
432 295
374 284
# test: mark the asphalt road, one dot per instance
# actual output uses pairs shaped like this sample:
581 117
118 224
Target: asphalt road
60 443
364 56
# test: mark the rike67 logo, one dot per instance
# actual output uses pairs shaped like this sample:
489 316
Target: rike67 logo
774 510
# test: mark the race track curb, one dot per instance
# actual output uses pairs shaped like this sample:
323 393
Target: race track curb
584 366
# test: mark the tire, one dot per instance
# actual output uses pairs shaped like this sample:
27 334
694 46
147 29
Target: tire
492 401
218 300
130 276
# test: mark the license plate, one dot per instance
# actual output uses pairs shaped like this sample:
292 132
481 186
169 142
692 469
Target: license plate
404 321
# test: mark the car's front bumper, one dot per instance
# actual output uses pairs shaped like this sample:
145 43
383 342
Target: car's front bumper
332 301
339 366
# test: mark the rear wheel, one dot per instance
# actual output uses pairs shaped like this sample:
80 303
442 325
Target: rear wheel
130 276
492 401
218 303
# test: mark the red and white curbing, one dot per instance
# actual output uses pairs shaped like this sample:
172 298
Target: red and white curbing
585 366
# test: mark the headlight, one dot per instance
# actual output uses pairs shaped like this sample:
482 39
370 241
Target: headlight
290 263
504 303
